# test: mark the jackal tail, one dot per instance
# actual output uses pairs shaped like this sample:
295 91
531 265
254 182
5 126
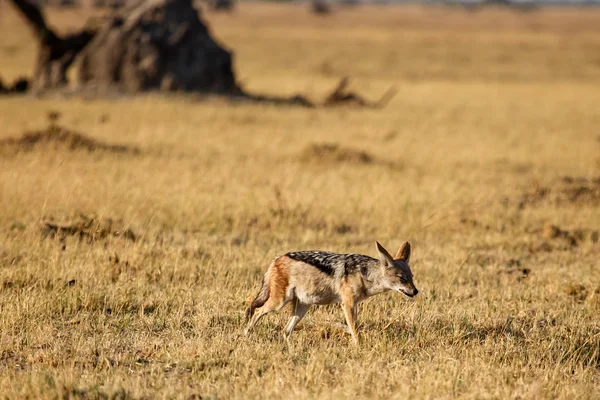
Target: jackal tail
261 297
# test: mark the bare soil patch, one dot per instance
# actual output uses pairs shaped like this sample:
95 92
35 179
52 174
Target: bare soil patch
90 228
56 137
331 153
574 190
574 236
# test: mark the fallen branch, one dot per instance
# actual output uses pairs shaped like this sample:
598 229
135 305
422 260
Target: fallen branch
341 96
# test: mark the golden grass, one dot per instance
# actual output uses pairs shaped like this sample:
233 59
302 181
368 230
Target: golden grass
494 110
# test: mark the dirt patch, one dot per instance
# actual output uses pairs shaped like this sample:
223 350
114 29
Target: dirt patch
58 137
573 237
331 153
504 266
90 228
554 238
574 190
471 223
514 268
581 293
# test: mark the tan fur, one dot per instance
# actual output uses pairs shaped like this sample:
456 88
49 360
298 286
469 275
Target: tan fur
279 279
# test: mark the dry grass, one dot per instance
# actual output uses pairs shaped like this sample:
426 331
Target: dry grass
494 110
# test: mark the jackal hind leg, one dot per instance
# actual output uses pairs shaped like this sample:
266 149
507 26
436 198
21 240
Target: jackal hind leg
270 305
298 312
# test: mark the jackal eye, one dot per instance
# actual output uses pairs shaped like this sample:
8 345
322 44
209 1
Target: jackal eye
403 279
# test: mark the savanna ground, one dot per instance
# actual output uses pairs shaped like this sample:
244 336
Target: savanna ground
487 160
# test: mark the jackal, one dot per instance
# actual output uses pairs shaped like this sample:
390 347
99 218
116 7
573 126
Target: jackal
307 278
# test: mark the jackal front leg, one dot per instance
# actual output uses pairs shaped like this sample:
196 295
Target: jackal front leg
349 308
344 326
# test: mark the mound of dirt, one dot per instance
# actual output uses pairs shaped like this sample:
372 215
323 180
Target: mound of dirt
57 137
574 190
573 237
334 154
87 227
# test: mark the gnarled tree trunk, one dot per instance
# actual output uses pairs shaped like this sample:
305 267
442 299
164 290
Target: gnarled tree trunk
157 45
150 45
55 54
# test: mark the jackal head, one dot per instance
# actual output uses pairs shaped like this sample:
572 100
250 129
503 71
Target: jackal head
396 271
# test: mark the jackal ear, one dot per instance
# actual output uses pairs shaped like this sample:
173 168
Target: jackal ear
384 256
403 252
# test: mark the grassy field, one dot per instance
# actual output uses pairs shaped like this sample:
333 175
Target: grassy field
487 160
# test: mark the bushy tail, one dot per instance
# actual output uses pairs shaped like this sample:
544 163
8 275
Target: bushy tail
261 298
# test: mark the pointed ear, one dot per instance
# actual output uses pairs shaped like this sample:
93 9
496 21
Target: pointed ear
384 256
403 252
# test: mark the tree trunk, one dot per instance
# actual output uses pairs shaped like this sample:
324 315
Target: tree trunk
157 45
55 54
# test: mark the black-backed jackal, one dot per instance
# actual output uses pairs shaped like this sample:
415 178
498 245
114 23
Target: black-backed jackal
307 278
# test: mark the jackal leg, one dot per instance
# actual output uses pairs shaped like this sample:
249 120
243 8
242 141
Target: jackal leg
269 306
345 327
298 311
349 308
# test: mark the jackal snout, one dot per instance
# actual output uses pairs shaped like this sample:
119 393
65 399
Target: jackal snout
410 289
411 293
